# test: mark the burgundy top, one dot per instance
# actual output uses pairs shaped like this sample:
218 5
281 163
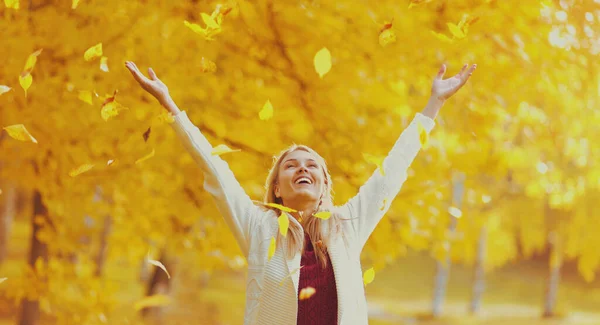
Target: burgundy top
322 307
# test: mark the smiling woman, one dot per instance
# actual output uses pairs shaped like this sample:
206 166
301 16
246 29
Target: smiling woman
313 274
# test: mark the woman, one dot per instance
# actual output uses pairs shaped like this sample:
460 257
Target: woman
321 251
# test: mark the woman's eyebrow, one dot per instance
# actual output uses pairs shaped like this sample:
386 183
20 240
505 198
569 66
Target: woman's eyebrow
294 159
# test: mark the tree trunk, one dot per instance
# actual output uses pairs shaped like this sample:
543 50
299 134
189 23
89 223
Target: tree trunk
479 273
159 284
443 268
6 218
553 280
103 250
30 309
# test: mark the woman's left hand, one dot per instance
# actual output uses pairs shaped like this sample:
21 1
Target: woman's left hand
443 89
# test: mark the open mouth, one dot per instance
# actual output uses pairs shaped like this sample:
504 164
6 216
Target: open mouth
304 181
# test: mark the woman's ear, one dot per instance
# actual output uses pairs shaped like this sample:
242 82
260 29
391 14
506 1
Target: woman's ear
276 190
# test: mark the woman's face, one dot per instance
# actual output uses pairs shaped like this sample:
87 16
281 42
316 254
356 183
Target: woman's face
300 178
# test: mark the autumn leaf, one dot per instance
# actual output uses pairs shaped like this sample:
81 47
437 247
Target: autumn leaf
212 27
423 135
93 52
284 224
25 81
146 134
266 112
2 279
280 207
12 4
80 170
209 21
323 215
368 276
377 161
455 212
414 3
207 65
31 61
456 31
19 132
306 293
387 37
322 61
4 89
152 301
85 96
164 117
160 265
109 162
146 157
222 149
110 107
442 37
272 247
74 4
289 275
104 64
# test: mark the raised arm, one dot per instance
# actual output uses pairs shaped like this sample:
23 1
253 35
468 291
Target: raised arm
374 197
231 199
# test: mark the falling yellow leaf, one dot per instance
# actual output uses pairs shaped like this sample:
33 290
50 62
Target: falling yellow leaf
146 157
289 275
387 37
323 215
222 149
19 132
368 276
378 161
152 301
3 279
306 293
31 61
25 81
104 64
322 61
207 65
456 31
423 135
164 117
160 265
272 247
74 4
266 112
442 37
12 4
85 96
80 170
280 207
414 3
93 52
110 107
4 89
455 212
108 163
284 224
209 21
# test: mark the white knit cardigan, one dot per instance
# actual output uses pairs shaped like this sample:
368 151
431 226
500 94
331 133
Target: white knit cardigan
272 285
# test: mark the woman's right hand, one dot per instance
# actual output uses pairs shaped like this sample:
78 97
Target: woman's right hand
152 85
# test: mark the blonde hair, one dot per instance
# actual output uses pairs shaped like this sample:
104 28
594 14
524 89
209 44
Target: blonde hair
312 225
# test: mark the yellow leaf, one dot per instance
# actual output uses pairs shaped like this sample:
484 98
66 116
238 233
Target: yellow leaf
387 37
146 157
104 64
455 212
414 3
209 21
322 61
25 81
19 132
222 149
306 293
93 52
323 215
369 276
12 4
3 279
4 89
423 135
74 4
31 60
284 224
108 163
272 247
86 96
160 265
110 107
442 37
456 31
207 65
152 301
165 117
280 207
289 275
266 112
378 161
80 170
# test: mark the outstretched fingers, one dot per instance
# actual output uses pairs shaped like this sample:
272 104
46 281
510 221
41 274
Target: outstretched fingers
136 72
